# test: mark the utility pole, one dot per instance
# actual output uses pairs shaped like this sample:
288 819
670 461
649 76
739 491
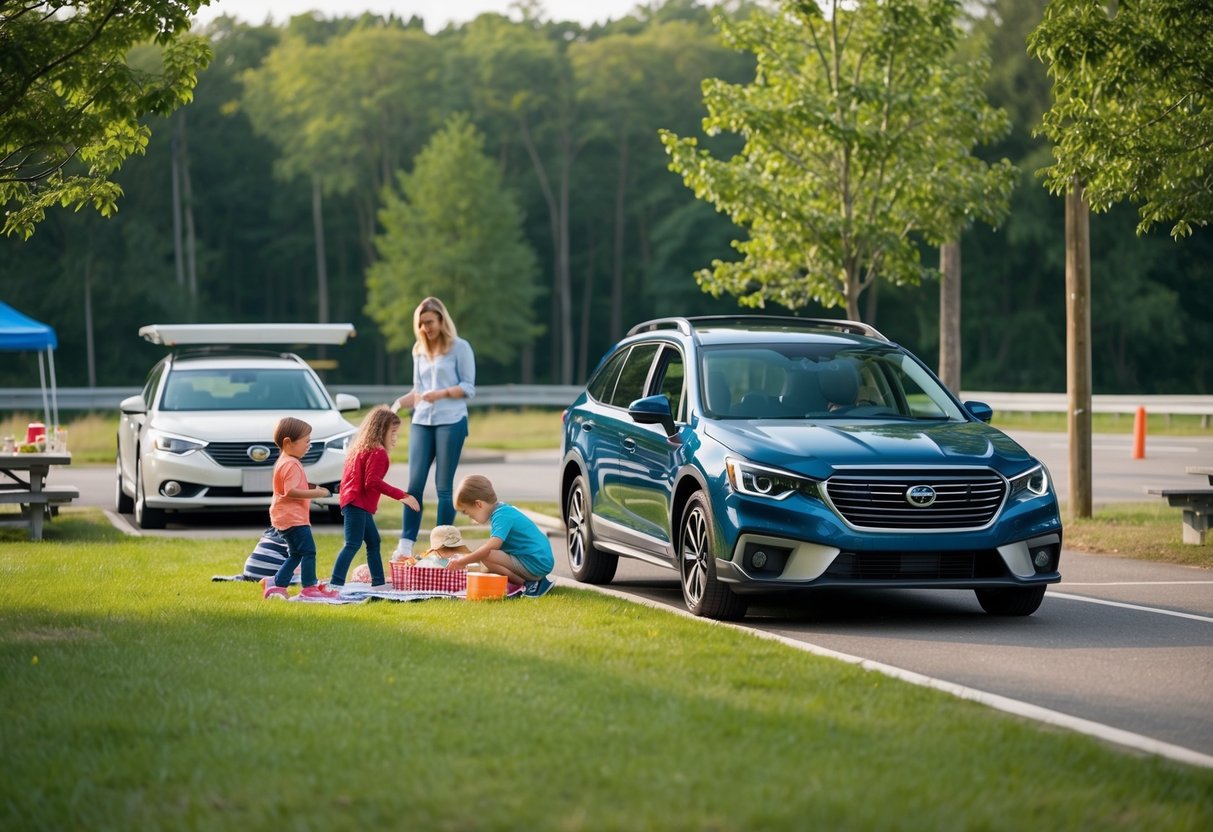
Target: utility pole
949 315
1078 346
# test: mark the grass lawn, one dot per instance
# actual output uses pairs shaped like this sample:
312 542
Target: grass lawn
1145 531
138 694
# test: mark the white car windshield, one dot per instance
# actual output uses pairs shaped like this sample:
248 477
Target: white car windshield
242 389
820 381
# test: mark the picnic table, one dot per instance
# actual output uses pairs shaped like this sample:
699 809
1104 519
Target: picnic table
23 482
1197 505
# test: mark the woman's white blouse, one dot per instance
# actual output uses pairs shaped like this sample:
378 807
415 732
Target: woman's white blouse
455 368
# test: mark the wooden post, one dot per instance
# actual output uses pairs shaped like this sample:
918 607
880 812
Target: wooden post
949 315
1078 347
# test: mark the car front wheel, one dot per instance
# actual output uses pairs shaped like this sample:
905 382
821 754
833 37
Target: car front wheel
704 594
587 562
145 517
1015 601
122 503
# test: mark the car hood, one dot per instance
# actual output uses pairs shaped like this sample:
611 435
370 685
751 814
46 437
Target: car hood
246 425
818 448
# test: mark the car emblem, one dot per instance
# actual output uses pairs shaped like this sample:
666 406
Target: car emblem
920 496
260 453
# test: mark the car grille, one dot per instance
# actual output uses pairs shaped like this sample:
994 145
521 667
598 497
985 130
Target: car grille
877 499
235 454
911 566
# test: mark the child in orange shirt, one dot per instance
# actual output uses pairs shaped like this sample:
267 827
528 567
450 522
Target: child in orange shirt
290 512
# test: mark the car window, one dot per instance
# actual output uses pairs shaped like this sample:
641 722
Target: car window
820 381
602 384
634 374
671 380
149 386
242 389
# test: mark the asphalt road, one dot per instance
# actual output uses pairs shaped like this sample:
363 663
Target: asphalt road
1119 642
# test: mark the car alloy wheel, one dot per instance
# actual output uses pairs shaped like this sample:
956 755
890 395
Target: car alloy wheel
703 593
587 562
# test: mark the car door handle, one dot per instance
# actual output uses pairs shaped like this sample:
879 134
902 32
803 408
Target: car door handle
629 445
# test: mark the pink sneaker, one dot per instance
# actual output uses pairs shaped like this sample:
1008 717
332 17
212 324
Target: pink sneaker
272 591
319 591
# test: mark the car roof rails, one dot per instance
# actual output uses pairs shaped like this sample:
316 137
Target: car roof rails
687 326
173 335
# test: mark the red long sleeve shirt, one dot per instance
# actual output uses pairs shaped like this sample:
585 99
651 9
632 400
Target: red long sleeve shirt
363 482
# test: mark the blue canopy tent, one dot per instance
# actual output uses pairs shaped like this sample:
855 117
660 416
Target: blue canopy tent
20 333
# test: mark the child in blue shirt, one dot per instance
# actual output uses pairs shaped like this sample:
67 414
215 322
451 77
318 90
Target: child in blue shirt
517 548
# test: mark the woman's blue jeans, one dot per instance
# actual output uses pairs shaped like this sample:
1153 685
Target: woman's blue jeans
301 551
430 444
359 528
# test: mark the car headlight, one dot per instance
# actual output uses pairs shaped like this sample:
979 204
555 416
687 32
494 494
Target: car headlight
339 442
1033 483
171 444
771 483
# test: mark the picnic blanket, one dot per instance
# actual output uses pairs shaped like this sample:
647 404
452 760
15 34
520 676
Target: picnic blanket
357 593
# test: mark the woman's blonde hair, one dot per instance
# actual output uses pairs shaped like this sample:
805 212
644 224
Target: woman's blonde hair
446 332
374 430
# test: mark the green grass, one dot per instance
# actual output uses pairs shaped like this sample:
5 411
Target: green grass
1157 424
138 694
1145 531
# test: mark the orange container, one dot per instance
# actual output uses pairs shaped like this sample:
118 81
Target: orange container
485 586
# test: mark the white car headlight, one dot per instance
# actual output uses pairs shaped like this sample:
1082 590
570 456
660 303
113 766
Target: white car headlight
771 483
339 442
1031 483
172 444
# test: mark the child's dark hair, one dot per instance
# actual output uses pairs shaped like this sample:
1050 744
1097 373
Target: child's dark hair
374 430
290 428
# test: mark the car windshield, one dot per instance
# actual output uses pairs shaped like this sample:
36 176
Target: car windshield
242 389
820 381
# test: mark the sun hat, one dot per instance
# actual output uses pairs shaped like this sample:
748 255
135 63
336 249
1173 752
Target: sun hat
447 537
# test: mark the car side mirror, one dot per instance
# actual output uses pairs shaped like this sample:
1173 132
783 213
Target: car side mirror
133 405
653 410
980 410
345 402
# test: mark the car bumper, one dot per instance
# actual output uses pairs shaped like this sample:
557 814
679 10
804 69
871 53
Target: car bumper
771 547
204 484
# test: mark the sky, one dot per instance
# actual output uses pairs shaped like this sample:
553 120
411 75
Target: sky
436 13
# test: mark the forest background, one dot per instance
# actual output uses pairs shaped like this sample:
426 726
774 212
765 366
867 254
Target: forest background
309 125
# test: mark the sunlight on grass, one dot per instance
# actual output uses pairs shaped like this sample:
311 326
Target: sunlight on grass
138 694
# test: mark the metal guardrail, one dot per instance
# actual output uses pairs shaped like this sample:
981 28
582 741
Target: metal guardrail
29 400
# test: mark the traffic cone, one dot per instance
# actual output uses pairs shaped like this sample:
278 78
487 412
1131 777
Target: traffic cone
1139 434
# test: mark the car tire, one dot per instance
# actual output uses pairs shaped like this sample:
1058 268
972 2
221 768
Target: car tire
145 517
587 562
703 593
1016 601
122 503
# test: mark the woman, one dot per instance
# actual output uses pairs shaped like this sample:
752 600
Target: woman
444 378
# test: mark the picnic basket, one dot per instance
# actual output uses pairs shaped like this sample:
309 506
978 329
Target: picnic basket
407 578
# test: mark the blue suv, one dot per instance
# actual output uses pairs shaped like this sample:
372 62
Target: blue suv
754 454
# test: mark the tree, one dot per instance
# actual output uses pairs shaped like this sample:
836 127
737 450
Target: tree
858 131
1132 84
455 233
70 104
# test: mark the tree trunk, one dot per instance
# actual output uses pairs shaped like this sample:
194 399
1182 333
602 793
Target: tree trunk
90 347
587 297
621 184
191 239
1078 347
178 247
564 275
322 275
949 315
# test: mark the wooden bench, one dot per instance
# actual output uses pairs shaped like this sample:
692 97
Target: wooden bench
1197 505
37 506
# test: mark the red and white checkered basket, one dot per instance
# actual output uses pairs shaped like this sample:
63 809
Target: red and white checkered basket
407 578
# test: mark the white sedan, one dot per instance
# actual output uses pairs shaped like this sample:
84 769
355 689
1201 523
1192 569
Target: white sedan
200 435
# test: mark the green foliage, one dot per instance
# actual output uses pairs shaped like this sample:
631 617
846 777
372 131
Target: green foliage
858 132
455 232
70 103
1130 120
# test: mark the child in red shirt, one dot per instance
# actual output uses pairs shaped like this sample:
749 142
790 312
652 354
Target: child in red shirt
366 464
290 511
